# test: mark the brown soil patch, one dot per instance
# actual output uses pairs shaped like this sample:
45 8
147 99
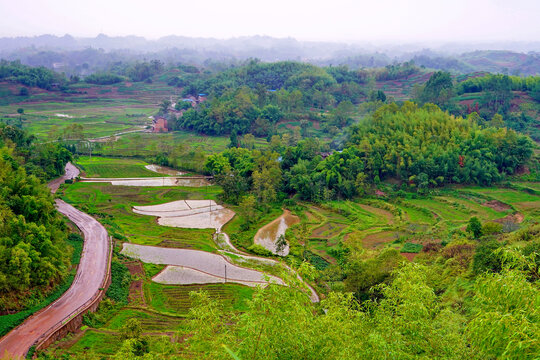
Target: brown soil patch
373 241
516 218
497 205
136 292
316 125
409 256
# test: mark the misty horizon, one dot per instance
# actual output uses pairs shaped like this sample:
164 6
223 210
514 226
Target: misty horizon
342 21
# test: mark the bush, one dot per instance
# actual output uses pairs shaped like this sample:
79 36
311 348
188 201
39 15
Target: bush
475 227
75 237
317 261
121 279
260 250
527 234
411 248
491 228
486 259
103 79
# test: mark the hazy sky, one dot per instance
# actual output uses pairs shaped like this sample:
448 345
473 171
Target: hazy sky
342 20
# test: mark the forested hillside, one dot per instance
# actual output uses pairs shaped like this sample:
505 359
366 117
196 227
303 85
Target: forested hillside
33 256
420 147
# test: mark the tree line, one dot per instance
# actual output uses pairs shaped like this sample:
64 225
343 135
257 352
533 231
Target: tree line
421 147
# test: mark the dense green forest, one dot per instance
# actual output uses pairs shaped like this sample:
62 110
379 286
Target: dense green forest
43 160
302 92
33 255
420 147
40 77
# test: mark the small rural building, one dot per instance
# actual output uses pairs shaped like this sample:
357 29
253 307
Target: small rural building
159 124
191 100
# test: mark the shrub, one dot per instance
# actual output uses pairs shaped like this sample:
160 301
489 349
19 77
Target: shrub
121 279
411 248
259 250
75 237
486 259
432 247
491 228
475 227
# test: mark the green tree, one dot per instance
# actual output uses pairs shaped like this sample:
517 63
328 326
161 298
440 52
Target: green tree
438 89
131 329
164 106
497 121
266 177
247 210
475 227
281 243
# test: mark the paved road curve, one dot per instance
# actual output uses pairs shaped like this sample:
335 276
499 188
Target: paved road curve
90 275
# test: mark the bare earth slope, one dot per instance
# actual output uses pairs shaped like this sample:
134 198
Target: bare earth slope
91 272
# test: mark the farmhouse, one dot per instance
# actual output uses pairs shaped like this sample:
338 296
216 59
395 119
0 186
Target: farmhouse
159 124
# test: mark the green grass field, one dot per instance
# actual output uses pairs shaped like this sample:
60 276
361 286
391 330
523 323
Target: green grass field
97 166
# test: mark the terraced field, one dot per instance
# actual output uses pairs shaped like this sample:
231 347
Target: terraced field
387 223
163 314
521 201
405 224
331 225
117 203
150 320
175 298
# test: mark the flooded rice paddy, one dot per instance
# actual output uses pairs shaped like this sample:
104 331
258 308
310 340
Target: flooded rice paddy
268 235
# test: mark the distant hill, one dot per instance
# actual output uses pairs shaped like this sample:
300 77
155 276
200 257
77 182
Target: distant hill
70 54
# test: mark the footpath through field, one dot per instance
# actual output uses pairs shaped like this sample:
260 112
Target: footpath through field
91 272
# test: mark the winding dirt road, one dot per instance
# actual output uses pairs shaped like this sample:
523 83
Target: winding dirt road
91 272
